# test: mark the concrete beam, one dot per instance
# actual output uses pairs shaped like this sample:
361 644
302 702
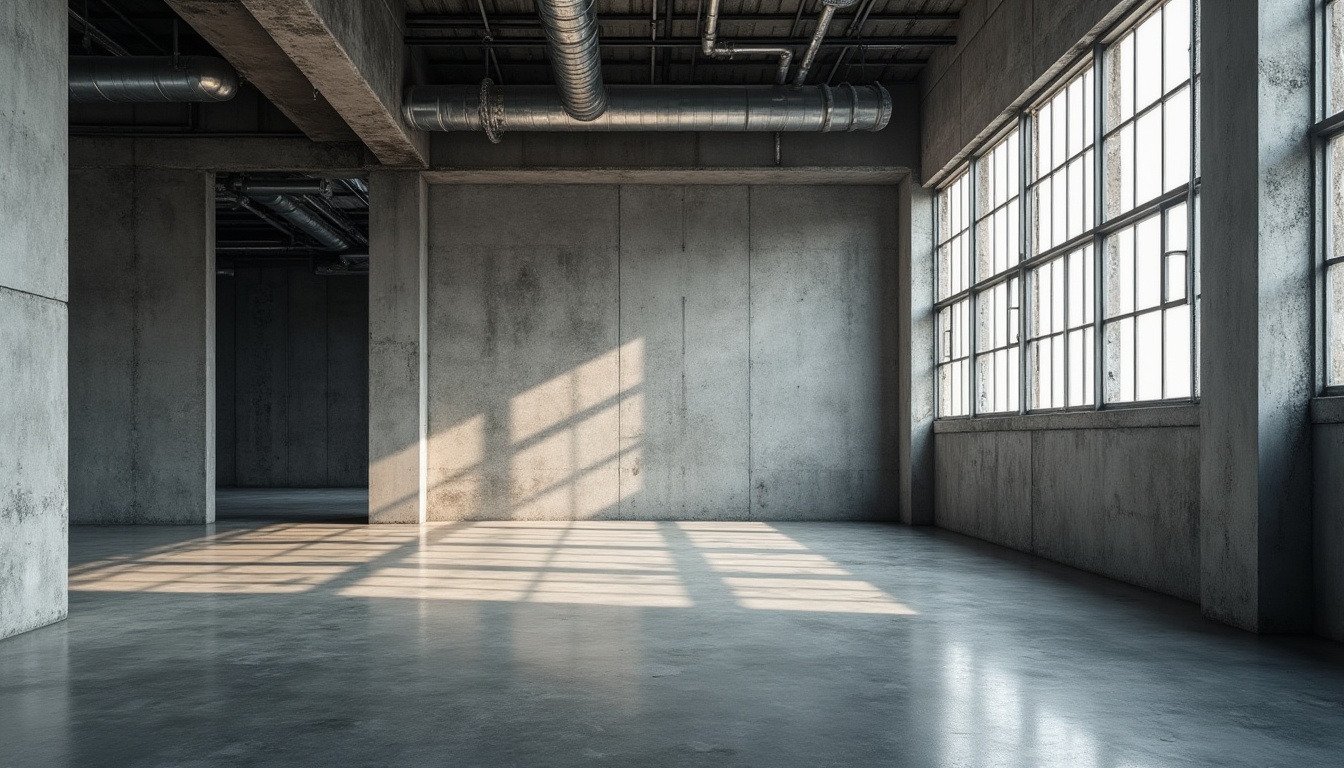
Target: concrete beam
354 55
1256 329
236 34
297 155
670 176
398 350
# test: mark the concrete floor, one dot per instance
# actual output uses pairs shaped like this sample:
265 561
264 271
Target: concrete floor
637 644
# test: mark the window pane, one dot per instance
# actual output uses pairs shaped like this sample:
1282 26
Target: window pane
1120 361
1335 56
1147 263
1148 62
1176 140
1148 356
1176 43
953 210
1080 367
1176 343
1334 323
1148 156
1120 273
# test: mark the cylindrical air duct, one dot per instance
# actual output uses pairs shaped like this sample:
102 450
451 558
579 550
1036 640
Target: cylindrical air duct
576 62
144 79
738 108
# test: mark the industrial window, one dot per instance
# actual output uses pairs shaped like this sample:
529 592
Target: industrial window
1330 131
998 247
1087 252
954 280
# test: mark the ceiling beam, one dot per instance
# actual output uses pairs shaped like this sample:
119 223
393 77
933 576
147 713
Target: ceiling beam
231 29
352 53
903 41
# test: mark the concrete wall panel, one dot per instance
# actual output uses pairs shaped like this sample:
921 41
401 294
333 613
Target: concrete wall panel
1328 457
1122 502
821 422
982 486
600 354
685 352
142 347
33 459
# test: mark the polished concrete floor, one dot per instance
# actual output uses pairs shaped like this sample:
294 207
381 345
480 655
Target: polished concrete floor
266 642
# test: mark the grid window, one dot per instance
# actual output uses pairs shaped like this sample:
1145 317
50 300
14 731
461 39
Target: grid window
1333 207
954 359
1148 330
954 240
996 353
1148 109
1060 333
1063 164
954 280
997 201
1067 273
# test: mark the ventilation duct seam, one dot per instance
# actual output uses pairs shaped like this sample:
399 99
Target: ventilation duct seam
151 79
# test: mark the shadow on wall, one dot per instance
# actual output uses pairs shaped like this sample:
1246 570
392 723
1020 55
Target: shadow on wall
660 353
633 564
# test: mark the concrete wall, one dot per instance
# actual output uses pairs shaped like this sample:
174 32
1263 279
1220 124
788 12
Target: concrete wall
292 379
33 316
142 347
1115 493
1328 516
661 352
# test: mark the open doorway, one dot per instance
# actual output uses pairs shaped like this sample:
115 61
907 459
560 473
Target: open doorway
292 358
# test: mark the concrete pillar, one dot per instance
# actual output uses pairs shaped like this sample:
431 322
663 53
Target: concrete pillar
1256 330
142 347
915 342
33 315
398 408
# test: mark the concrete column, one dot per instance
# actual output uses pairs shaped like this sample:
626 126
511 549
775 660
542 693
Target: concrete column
915 342
398 408
1256 331
142 347
33 315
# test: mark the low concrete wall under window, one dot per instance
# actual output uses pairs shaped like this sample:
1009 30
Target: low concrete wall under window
1115 492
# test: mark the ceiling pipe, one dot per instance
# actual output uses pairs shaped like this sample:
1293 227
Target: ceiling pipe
576 61
304 220
145 79
828 8
254 187
710 45
734 108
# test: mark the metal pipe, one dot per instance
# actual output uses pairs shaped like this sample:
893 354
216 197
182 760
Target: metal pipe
247 205
98 36
256 187
576 61
336 218
710 45
131 79
818 35
652 108
305 220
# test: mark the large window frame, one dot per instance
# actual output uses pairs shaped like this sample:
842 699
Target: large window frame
1328 146
1083 333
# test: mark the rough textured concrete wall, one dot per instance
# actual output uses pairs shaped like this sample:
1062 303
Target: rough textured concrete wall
397 352
142 347
1122 502
1328 457
662 352
1005 49
292 379
33 315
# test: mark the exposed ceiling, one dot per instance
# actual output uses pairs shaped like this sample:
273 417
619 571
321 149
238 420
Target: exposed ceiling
901 35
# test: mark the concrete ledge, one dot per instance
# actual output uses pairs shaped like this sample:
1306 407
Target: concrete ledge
1120 418
1327 410
699 176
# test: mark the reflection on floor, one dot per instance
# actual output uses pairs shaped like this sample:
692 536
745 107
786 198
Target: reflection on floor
637 644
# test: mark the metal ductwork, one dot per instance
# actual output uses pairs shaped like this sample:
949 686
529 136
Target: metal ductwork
304 220
143 79
737 108
576 62
828 8
710 45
